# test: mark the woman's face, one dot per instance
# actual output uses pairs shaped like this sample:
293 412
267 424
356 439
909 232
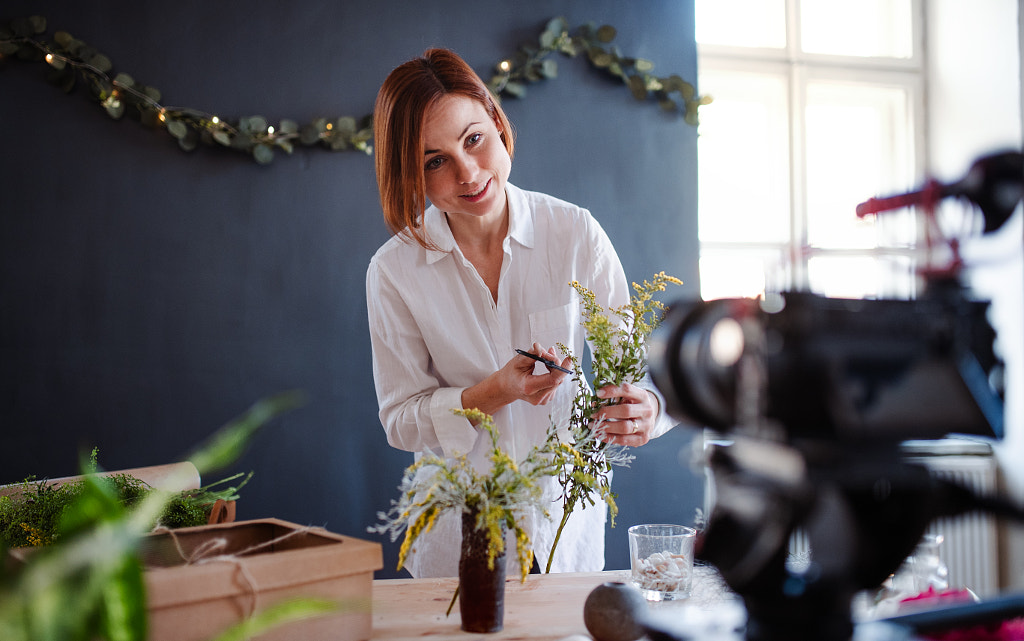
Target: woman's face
465 163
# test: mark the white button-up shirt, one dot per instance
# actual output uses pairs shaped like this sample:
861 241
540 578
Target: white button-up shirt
435 330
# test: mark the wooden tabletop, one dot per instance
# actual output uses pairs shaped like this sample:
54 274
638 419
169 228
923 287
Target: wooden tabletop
545 607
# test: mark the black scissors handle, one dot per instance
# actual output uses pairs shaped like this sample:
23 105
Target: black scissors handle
549 363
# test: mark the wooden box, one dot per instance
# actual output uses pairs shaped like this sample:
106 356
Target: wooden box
243 567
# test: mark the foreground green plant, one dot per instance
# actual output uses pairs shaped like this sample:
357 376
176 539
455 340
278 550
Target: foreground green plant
499 497
89 584
618 339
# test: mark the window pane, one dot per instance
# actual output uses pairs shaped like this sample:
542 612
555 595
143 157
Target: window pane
743 149
857 27
862 276
741 273
742 23
859 145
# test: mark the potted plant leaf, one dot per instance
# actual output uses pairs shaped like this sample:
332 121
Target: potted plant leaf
89 584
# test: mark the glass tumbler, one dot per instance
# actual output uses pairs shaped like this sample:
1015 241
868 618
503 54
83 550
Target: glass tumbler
661 560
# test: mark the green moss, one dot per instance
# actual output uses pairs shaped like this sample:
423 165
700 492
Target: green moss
32 516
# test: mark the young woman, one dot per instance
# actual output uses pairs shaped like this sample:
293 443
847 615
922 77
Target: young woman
464 282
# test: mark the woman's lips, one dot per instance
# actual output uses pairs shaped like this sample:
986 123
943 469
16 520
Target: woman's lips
477 195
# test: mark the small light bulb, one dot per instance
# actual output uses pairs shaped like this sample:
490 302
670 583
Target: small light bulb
329 126
505 65
215 120
162 116
49 58
270 129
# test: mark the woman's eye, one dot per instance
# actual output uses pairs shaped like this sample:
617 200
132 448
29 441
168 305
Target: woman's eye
434 163
474 139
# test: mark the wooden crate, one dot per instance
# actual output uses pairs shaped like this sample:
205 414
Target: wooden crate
254 565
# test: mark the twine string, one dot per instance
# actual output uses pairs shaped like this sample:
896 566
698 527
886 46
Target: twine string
211 551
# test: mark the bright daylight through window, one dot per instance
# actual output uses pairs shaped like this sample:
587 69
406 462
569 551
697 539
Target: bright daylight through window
816 107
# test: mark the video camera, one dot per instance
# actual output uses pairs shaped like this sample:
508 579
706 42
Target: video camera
815 396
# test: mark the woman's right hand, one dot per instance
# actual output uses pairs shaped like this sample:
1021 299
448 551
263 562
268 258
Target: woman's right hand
517 381
537 389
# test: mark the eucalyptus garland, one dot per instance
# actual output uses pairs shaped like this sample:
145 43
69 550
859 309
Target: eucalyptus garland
71 61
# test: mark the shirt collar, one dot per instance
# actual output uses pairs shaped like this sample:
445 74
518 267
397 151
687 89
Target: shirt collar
521 228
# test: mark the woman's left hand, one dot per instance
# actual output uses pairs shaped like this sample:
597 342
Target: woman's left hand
631 420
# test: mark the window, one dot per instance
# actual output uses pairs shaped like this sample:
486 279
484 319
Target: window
817 106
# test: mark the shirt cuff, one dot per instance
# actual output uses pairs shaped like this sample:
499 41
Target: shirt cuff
455 433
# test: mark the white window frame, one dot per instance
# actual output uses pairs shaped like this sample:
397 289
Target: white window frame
799 69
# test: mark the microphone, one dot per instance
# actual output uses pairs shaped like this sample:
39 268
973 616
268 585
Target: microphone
994 183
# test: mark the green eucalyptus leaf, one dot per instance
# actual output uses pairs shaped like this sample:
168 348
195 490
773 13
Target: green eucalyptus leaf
258 124
606 33
63 38
189 141
285 144
549 69
515 89
309 135
687 91
288 127
668 104
86 52
691 114
557 25
600 59
38 23
177 128
345 125
263 154
338 142
548 39
222 137
124 80
152 92
101 62
9 48
643 65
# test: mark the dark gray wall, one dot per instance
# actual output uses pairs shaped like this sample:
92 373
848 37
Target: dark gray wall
148 295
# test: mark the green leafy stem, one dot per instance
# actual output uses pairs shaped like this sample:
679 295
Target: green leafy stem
71 61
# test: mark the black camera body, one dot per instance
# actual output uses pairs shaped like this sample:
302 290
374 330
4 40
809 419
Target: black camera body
814 397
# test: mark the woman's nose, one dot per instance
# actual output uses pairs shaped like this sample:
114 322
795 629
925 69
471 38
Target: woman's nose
465 169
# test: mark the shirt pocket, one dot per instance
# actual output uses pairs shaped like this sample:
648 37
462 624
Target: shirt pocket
556 325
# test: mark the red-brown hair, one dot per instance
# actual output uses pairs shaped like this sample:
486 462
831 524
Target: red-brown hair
403 100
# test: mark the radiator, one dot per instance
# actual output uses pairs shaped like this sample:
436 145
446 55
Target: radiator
970 547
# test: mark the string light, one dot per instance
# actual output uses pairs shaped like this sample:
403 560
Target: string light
247 136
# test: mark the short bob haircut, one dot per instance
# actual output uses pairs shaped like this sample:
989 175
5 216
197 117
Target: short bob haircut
403 100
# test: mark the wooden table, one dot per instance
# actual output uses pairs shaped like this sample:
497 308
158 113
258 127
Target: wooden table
546 607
